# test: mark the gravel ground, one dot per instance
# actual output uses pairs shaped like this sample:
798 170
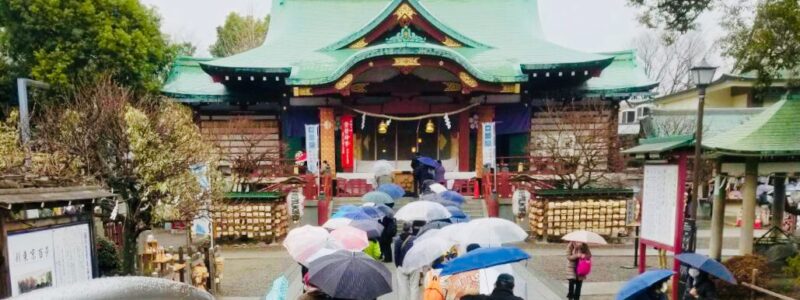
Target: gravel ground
249 272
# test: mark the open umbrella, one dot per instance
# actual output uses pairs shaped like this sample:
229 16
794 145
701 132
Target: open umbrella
483 258
425 251
387 211
377 197
349 275
584 236
456 212
347 207
351 238
437 188
304 241
428 161
452 231
371 227
382 167
422 211
393 190
641 283
490 231
335 223
708 265
433 225
373 212
356 215
322 252
453 196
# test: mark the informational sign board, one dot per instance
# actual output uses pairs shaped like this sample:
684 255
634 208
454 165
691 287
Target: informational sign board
488 140
659 203
49 257
312 148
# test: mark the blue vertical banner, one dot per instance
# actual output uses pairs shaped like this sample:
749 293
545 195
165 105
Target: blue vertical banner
489 140
312 148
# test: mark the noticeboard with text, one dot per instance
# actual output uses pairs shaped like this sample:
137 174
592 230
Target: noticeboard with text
659 203
49 257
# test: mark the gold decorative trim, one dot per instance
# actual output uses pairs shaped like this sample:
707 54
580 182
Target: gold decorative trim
450 42
359 88
510 88
467 79
406 62
405 13
359 44
300 91
452 86
344 82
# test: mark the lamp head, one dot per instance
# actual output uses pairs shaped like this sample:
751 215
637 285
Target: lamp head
703 73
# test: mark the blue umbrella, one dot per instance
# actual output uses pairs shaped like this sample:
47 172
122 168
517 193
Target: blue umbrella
706 264
387 211
355 215
453 196
456 212
372 212
641 283
483 258
428 161
395 191
377 197
346 208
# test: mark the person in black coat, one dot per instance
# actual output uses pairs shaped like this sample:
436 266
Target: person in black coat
414 166
504 288
700 286
385 241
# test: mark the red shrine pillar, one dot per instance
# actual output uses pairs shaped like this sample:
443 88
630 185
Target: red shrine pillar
463 141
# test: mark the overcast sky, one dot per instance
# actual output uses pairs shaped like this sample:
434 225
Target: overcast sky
588 25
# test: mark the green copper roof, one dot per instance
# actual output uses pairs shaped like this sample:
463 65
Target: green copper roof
666 122
187 82
623 77
502 38
661 144
773 132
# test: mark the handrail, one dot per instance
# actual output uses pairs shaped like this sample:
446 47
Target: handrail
766 291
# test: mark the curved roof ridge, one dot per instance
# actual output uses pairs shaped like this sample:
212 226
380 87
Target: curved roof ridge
388 11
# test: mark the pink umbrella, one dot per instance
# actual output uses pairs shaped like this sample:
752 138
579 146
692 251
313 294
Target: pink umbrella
304 241
351 238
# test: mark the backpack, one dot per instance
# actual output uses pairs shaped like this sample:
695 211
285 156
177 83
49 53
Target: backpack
584 267
434 290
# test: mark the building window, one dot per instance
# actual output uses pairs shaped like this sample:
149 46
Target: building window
627 117
642 112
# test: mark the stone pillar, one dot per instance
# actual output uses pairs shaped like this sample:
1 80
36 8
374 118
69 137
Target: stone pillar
748 206
463 141
717 215
485 114
327 138
778 202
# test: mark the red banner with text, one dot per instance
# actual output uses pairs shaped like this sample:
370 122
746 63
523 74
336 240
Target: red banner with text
347 143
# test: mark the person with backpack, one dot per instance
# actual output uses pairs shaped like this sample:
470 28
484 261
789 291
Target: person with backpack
579 260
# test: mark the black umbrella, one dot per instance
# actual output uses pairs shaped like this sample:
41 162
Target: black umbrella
350 275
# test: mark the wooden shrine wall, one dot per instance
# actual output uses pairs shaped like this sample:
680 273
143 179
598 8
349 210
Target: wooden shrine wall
244 138
588 133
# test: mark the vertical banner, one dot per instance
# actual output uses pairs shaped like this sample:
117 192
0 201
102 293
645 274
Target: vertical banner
347 142
488 140
327 138
312 148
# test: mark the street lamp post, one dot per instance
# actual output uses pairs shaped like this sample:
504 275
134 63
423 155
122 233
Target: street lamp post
701 75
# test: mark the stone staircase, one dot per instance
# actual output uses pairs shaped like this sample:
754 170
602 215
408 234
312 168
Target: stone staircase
473 208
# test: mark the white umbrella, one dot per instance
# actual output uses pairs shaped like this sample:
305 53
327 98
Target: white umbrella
450 232
304 241
336 223
584 236
490 231
382 168
422 211
437 188
425 251
431 233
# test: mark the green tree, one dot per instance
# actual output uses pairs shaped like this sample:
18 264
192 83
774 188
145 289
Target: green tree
767 43
62 41
138 146
239 34
677 15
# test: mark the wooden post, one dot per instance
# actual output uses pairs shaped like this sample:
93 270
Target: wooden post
717 215
753 282
212 283
778 204
182 261
5 275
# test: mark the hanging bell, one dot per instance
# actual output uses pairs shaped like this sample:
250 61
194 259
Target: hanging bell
383 128
429 127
